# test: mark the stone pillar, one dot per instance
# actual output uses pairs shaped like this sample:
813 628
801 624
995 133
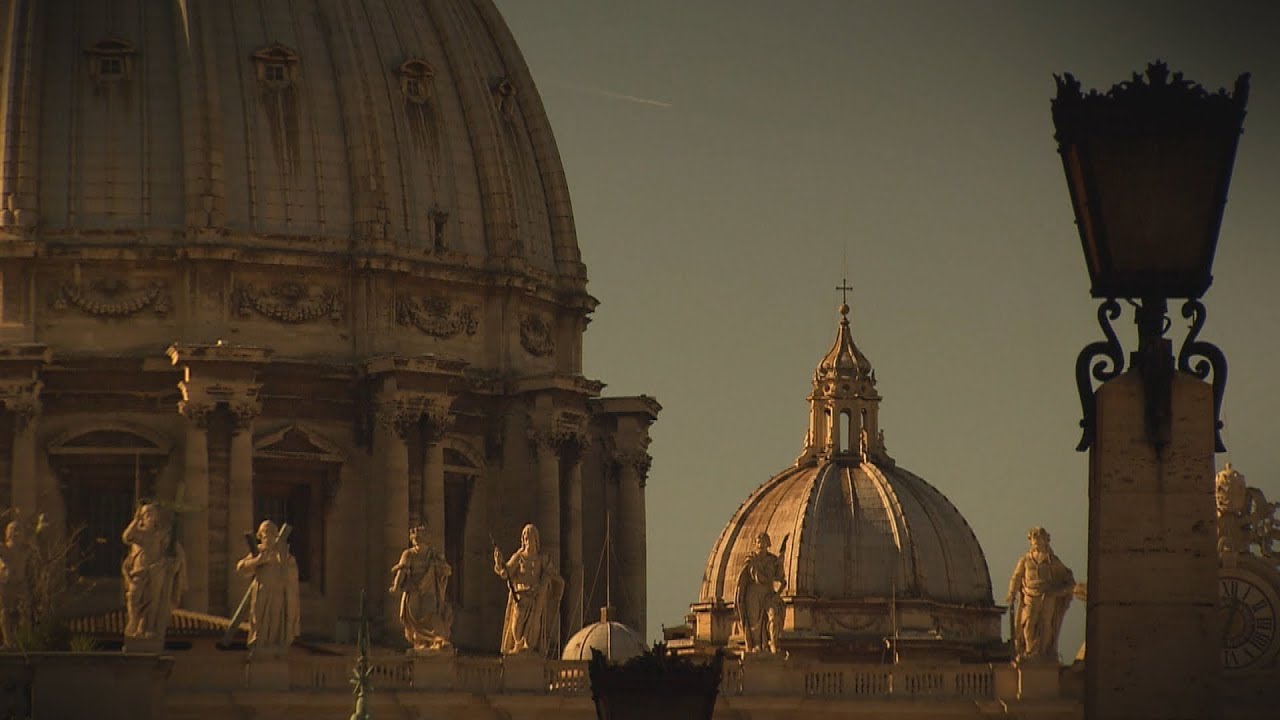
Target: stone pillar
439 421
390 525
240 517
548 494
572 551
632 468
195 497
1152 632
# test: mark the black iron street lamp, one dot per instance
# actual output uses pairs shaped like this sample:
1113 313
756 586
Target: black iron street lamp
657 684
1148 165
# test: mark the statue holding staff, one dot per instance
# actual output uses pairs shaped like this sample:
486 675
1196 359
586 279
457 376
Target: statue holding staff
532 620
1039 593
274 621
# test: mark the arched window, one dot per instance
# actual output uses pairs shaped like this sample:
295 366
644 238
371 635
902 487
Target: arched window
103 473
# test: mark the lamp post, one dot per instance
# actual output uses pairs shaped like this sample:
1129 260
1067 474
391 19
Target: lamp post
1148 165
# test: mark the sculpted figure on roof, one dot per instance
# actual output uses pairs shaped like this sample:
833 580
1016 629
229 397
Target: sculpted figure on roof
758 604
274 621
155 573
1039 593
422 577
532 620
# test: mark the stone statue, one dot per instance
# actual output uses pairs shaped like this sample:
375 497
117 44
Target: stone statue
155 573
422 576
274 621
15 579
756 599
532 620
1039 593
1245 519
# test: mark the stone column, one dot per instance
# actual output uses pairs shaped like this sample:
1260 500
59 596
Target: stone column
439 421
572 553
548 493
1152 631
395 417
195 496
632 467
240 517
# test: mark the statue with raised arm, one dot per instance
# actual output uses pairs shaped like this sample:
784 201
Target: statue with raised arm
155 574
274 621
422 578
757 600
1039 593
532 620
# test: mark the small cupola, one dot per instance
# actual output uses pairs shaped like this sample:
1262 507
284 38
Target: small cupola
844 405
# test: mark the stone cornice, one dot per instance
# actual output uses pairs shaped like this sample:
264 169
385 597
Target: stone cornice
572 384
642 405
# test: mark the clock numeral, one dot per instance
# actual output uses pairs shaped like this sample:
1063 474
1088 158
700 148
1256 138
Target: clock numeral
1232 587
1258 641
1258 606
1229 658
1265 623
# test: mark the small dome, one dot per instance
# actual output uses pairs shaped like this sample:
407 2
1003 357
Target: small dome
615 641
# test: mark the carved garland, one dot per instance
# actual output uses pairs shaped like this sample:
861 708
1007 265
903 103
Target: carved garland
289 302
536 337
110 297
436 316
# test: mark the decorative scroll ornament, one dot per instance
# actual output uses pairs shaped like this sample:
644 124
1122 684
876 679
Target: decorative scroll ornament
112 297
1103 359
536 337
436 316
289 302
1212 360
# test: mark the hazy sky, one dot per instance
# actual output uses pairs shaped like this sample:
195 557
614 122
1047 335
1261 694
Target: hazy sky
723 154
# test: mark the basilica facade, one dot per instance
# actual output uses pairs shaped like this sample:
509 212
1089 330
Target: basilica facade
310 263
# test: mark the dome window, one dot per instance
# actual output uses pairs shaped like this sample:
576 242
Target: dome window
110 60
277 67
415 80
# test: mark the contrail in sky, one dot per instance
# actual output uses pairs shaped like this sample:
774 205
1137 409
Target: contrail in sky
628 98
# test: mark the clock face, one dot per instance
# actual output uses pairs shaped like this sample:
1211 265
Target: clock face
1247 611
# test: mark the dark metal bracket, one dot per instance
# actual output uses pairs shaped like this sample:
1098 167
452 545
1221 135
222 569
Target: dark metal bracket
1103 360
1211 360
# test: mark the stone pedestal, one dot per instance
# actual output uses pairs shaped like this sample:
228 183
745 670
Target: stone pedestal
766 674
435 671
524 672
151 646
1038 680
1006 682
1152 631
267 673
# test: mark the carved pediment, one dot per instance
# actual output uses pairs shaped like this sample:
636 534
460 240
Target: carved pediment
296 442
112 439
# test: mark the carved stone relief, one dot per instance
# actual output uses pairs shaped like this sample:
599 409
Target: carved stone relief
536 336
112 297
437 315
504 94
289 302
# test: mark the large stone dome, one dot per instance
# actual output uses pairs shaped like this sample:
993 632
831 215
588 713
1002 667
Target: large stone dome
312 261
870 552
326 137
